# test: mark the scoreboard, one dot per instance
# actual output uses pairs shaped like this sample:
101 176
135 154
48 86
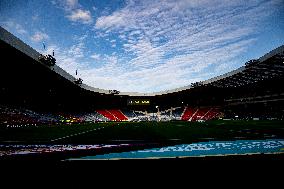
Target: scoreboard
138 102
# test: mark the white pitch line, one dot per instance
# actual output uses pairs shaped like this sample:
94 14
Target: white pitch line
73 135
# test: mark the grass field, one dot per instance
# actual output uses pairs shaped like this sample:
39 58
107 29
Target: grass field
175 132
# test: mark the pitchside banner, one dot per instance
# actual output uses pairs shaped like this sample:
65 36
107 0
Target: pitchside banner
138 102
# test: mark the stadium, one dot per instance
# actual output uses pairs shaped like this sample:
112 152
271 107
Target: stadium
48 114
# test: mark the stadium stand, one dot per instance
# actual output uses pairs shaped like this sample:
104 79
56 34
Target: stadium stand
130 115
23 117
211 114
118 114
108 114
201 113
252 91
188 113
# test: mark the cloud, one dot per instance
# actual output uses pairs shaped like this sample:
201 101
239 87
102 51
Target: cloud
74 11
67 5
173 43
39 36
79 15
71 3
95 56
35 17
77 50
115 20
165 44
11 25
20 29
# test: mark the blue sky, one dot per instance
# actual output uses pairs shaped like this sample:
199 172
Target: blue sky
147 45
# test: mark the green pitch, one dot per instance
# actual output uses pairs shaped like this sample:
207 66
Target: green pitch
176 132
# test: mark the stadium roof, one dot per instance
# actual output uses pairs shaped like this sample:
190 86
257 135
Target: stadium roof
268 66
